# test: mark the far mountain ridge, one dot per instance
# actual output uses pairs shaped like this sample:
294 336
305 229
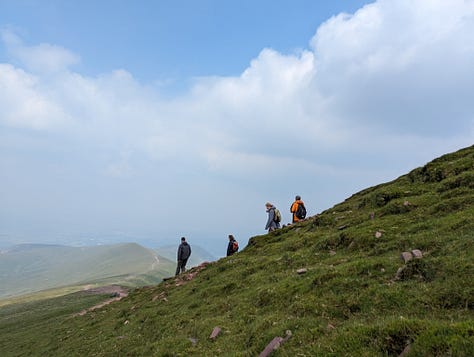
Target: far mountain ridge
27 268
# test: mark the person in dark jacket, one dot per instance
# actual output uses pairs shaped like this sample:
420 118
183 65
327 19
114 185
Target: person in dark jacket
233 246
184 251
271 223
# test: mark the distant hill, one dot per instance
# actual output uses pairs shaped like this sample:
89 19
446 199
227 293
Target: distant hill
336 282
198 254
33 267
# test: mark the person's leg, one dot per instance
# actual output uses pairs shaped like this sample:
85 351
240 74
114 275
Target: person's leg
183 265
178 268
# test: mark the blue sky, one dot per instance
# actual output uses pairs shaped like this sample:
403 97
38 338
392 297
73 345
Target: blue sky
148 120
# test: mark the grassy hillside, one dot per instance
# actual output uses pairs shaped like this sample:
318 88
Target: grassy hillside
29 268
356 298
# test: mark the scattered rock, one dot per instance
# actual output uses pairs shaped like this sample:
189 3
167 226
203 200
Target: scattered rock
302 271
215 332
405 351
331 327
272 346
193 340
190 274
378 234
161 296
406 203
126 322
275 344
399 273
417 253
342 227
332 252
406 257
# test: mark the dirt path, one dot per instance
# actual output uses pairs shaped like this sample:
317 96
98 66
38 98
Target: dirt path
118 292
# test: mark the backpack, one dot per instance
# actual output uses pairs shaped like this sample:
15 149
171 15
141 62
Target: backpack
276 216
235 246
301 212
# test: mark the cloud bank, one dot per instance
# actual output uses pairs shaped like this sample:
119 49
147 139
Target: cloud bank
375 93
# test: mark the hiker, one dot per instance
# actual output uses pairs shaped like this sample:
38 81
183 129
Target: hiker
184 251
233 246
274 217
298 209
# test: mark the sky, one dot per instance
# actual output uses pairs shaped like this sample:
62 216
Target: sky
146 121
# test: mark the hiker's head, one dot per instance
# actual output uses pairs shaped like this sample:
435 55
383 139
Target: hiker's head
268 205
298 197
231 237
183 239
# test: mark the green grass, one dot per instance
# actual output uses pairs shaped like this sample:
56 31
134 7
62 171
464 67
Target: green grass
348 303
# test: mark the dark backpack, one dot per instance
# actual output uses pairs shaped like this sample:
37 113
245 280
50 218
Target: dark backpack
301 211
277 216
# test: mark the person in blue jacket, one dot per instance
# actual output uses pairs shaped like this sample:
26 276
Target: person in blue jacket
272 221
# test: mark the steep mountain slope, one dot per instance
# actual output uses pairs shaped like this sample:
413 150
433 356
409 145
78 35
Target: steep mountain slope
356 297
34 267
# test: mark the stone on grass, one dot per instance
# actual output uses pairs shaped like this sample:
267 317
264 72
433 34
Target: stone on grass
417 253
406 257
405 351
378 234
398 275
302 271
215 332
275 344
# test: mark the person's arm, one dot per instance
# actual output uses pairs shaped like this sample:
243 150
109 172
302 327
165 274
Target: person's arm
294 207
271 214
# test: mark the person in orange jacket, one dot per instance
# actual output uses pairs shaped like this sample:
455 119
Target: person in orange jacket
298 209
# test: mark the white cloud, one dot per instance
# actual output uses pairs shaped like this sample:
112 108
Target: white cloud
23 102
403 66
392 67
42 58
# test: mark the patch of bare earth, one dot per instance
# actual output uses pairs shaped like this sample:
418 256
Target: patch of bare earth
117 292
